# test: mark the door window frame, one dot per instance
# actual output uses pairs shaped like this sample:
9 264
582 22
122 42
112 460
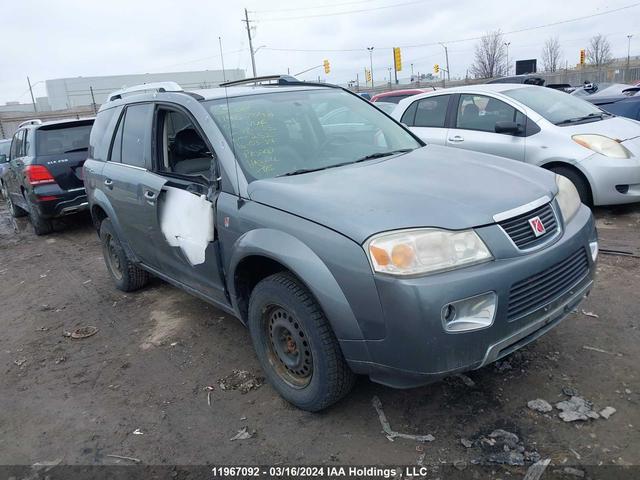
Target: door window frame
119 127
430 97
526 131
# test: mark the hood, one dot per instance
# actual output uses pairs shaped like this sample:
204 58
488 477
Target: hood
618 128
432 186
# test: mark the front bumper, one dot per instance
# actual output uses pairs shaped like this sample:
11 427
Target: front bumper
614 181
417 350
66 202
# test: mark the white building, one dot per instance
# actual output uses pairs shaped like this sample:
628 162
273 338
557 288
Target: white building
64 93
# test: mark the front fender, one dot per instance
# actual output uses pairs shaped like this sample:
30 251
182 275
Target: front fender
307 266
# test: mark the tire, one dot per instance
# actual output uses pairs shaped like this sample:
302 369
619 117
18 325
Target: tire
295 344
15 211
125 274
583 188
41 226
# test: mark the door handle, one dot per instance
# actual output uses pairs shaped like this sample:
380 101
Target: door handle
108 183
150 196
456 139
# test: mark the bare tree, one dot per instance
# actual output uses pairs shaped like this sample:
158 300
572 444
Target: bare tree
551 54
599 51
490 56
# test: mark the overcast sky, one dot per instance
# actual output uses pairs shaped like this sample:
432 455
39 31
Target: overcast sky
64 38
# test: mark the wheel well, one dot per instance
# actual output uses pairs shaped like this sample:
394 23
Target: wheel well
568 166
98 215
248 273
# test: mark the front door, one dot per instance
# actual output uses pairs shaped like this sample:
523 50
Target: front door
474 127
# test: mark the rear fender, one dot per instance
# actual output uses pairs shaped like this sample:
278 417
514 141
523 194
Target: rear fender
99 199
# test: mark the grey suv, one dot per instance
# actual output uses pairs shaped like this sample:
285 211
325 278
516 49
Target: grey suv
345 247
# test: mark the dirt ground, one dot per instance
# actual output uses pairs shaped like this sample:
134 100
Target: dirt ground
137 388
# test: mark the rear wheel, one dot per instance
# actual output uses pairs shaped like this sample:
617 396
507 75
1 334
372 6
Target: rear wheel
41 226
295 344
578 181
125 274
14 210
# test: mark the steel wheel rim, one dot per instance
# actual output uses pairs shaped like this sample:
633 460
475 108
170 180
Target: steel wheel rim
288 346
112 257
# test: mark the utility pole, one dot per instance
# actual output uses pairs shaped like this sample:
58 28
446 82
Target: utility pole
93 100
395 71
371 64
412 72
35 109
446 56
357 83
507 45
253 58
224 73
628 52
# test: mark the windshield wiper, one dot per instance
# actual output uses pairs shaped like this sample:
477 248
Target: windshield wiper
76 150
599 116
363 159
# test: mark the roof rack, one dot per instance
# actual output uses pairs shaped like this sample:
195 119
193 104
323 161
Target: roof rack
276 80
34 121
145 87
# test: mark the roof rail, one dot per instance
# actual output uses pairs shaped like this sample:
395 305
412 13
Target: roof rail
278 80
34 121
145 87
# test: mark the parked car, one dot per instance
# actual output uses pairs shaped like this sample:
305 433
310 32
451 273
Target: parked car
345 248
590 90
526 79
5 146
44 178
365 95
386 107
598 152
626 104
394 96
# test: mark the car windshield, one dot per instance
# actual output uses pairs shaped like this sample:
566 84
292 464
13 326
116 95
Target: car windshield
292 132
555 106
63 139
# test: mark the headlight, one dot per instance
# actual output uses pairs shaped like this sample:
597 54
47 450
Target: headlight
428 250
601 144
568 198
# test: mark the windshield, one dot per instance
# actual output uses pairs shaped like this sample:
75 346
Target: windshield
279 133
555 106
67 139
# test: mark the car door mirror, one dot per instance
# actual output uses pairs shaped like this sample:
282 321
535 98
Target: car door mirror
3 158
511 128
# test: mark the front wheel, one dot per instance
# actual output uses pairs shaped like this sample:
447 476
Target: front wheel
295 344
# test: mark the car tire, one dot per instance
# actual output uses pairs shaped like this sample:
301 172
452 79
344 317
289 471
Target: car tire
295 344
125 273
15 211
578 181
41 226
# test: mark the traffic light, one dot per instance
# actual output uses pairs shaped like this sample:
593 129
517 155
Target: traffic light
327 67
436 68
397 58
367 75
582 56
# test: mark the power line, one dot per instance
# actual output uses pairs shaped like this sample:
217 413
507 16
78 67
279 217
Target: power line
346 12
326 5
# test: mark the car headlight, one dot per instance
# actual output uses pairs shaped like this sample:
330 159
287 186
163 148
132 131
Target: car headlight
568 197
427 250
603 145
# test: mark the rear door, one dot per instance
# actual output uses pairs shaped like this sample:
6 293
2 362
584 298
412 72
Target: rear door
62 149
473 127
426 118
130 186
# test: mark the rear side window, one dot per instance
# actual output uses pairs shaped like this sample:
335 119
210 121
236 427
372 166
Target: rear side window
432 111
100 134
410 114
17 146
63 139
136 135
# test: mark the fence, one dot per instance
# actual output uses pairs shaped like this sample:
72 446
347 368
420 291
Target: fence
9 121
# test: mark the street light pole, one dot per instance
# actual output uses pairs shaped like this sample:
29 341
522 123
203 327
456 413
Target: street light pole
371 64
628 51
507 44
446 56
35 109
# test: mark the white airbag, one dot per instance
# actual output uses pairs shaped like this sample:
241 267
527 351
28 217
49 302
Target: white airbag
186 221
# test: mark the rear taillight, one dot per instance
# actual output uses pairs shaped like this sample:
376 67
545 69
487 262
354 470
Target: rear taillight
38 175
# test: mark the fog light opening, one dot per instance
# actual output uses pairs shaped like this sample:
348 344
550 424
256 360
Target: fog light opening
624 189
471 313
449 313
593 246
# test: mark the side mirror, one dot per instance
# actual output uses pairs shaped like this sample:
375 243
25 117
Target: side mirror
3 158
511 128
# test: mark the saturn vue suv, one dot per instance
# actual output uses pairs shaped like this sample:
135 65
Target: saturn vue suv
346 248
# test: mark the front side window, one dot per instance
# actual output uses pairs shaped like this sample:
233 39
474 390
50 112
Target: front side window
431 111
60 139
136 135
479 112
555 106
278 133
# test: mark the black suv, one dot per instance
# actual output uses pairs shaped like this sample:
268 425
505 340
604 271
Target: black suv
44 178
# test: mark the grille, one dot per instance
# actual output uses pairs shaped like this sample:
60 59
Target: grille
520 231
539 289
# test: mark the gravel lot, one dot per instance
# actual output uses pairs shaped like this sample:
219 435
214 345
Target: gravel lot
138 388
